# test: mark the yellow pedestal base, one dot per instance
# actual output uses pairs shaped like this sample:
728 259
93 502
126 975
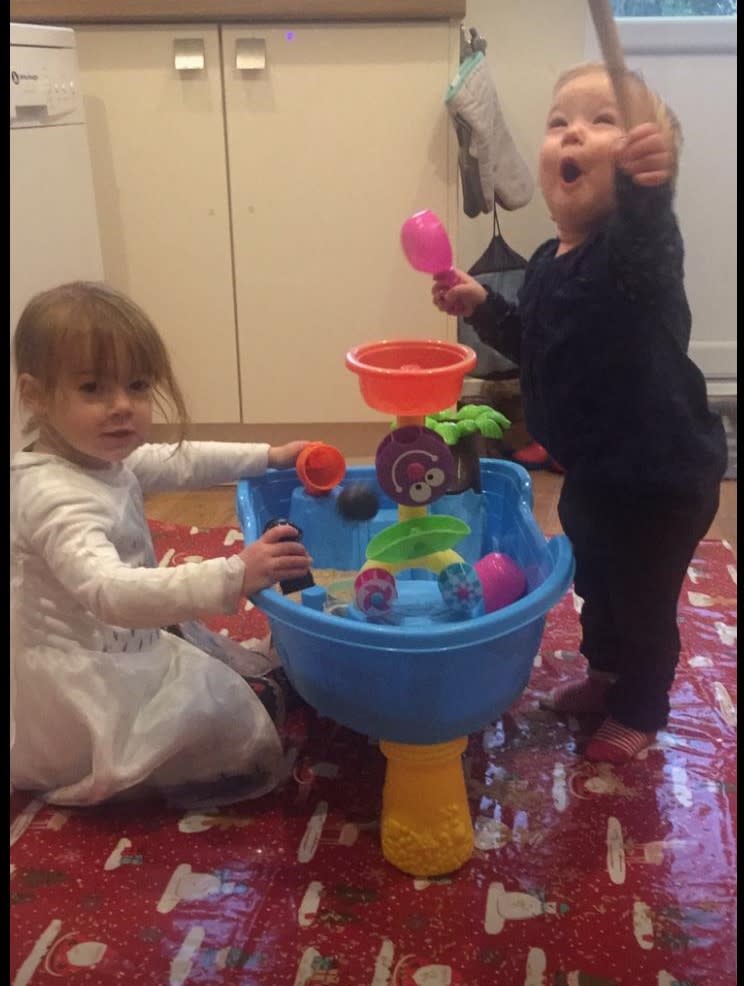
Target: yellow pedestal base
426 824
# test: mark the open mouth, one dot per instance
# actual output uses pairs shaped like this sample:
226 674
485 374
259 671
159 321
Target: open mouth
570 171
120 433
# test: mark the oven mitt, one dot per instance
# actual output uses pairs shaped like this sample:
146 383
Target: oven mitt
491 167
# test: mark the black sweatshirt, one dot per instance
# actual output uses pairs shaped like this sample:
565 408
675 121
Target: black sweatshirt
601 335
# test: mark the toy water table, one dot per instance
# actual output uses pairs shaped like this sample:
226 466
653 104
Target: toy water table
403 666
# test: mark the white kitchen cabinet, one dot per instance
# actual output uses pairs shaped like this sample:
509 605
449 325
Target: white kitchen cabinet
331 147
158 154
255 213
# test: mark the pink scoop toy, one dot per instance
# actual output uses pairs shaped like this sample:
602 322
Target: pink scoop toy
427 247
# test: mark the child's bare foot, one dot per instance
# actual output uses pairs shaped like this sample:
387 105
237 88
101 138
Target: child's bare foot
615 743
579 697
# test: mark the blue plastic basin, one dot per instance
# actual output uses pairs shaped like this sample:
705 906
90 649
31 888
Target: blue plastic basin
411 684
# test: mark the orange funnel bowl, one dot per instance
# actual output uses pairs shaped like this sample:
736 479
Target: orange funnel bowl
410 377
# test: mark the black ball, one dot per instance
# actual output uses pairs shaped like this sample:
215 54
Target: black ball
357 501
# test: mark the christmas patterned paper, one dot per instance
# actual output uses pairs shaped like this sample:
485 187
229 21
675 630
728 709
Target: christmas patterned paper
583 874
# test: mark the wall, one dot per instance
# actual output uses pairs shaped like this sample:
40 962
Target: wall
530 42
691 62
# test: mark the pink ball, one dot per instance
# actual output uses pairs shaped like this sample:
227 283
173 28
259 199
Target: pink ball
502 579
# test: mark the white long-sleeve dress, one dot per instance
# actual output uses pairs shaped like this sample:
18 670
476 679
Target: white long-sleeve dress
104 702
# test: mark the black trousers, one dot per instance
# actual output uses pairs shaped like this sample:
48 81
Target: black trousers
631 558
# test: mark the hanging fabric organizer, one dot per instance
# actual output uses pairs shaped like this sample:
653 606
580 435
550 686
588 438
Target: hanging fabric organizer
501 269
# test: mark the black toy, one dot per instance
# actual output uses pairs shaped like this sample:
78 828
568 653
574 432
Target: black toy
291 585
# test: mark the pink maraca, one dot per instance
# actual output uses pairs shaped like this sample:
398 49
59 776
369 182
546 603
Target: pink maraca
427 247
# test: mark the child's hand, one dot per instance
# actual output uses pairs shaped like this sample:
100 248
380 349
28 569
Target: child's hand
462 299
284 456
270 559
647 155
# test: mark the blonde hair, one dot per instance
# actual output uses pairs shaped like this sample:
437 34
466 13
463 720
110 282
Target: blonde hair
115 337
657 109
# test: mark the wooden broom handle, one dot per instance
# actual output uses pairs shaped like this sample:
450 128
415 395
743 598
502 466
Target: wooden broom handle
612 53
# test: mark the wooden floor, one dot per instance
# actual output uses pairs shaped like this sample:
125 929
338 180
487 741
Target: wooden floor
216 507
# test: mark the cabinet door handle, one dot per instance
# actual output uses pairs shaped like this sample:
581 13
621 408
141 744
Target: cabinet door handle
250 54
188 54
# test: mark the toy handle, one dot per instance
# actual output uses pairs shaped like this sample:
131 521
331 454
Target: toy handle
612 53
448 279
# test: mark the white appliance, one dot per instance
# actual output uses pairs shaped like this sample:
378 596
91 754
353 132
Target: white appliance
53 224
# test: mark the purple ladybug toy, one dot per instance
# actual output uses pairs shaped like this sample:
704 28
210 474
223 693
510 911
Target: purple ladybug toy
414 466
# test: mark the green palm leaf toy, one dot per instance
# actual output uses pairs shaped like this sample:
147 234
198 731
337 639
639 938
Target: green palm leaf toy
460 430
470 419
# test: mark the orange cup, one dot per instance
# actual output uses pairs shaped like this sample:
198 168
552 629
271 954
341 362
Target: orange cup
320 468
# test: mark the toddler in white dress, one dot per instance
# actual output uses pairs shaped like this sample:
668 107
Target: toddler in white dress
105 702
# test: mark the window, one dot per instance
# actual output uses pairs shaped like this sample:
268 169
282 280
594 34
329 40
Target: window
674 8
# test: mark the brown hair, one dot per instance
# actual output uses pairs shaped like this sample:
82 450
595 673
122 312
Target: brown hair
658 111
109 329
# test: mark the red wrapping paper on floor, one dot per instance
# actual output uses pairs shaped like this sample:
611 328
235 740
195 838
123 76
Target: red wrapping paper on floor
583 874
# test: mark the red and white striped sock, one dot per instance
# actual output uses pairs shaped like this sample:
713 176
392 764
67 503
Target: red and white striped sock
579 697
615 743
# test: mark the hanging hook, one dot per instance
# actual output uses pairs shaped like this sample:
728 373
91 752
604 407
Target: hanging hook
470 42
477 43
